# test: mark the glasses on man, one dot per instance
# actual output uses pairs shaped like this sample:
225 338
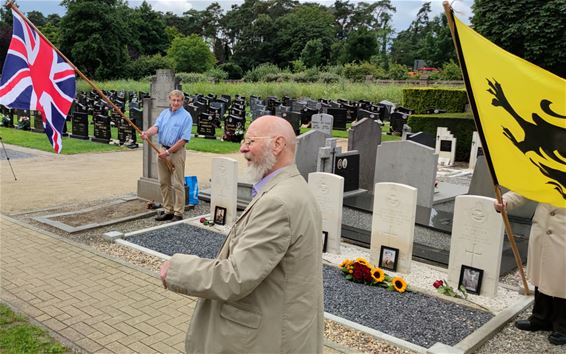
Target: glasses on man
252 139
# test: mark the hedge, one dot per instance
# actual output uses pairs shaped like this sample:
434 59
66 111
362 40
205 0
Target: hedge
422 99
461 125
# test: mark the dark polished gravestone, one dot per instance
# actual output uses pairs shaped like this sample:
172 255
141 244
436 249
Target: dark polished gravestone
102 133
79 126
37 126
343 298
433 227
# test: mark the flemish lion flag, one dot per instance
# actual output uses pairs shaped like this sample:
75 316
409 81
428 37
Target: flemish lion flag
520 113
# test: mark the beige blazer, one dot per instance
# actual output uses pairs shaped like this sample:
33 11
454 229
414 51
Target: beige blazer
546 259
263 293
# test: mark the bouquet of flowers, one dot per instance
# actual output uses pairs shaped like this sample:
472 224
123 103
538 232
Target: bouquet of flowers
443 288
361 271
207 222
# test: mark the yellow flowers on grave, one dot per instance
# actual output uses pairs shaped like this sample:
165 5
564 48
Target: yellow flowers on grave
362 271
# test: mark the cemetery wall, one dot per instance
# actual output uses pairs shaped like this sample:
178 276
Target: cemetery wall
461 127
422 99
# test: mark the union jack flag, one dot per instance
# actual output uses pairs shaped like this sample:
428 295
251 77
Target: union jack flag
35 77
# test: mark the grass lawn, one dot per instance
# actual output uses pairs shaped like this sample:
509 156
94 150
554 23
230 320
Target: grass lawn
17 336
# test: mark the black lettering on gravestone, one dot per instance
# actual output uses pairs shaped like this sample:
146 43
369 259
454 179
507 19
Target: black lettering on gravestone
306 115
102 132
125 132
37 123
295 119
205 126
115 119
233 129
423 138
237 112
480 151
97 111
446 145
79 125
351 111
347 165
340 116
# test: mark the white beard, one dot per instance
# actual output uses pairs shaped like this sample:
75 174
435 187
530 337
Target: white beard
257 170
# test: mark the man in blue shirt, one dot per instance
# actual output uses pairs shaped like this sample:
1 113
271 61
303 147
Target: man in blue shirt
173 129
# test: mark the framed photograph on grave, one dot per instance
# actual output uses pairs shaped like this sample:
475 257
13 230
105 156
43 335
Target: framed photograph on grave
324 241
219 215
470 279
388 258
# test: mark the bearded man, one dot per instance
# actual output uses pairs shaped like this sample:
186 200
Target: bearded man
263 293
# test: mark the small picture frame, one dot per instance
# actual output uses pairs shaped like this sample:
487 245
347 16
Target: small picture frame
471 279
324 241
219 215
388 258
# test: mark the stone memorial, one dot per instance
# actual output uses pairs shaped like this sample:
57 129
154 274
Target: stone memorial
340 117
347 165
234 129
397 120
408 163
327 189
393 222
445 147
37 126
365 136
322 122
102 133
205 126
306 153
326 156
424 138
306 115
79 125
294 118
224 187
476 241
475 151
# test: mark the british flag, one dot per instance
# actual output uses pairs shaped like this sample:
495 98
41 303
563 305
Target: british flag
35 77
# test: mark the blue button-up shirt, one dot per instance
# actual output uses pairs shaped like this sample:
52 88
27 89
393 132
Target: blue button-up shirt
256 188
173 126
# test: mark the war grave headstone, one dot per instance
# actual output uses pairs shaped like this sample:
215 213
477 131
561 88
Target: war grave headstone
347 165
306 153
163 83
206 127
326 156
475 150
79 125
102 133
224 189
393 224
477 241
445 147
364 136
340 116
322 122
37 122
327 189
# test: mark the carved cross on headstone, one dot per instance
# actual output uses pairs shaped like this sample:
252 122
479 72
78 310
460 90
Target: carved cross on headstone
473 252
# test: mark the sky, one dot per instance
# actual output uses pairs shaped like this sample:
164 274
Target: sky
406 9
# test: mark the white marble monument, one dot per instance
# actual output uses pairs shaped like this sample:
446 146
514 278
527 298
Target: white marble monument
328 191
224 188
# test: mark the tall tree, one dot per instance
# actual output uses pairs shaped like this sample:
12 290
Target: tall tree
37 18
148 36
6 19
191 54
406 46
533 30
94 36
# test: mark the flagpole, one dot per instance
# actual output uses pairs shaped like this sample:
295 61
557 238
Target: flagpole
12 6
508 230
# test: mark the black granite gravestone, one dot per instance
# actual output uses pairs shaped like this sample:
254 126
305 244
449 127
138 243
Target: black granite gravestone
423 138
397 119
126 132
446 145
7 117
347 165
234 128
295 119
306 114
102 132
37 126
79 125
340 116
206 127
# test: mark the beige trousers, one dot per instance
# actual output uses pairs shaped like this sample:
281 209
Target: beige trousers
172 184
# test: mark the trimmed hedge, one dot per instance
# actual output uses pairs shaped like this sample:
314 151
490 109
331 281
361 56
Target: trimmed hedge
422 99
461 125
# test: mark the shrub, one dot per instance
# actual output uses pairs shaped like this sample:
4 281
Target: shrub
422 99
234 70
398 72
328 78
359 72
191 54
147 65
192 77
451 71
217 74
261 71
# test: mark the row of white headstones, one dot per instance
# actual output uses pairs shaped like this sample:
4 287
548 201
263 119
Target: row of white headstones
477 231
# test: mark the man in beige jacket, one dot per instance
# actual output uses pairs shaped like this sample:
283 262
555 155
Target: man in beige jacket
546 268
263 293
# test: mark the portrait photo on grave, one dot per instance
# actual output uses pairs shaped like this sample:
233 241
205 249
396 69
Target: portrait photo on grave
470 279
324 240
219 215
388 258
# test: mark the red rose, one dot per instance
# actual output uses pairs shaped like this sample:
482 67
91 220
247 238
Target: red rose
437 284
202 220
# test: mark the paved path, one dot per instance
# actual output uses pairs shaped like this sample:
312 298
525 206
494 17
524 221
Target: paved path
90 301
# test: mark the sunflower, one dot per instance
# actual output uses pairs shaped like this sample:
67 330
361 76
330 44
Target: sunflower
399 284
345 263
378 275
361 260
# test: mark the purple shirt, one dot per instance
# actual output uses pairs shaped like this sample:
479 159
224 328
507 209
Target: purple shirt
256 188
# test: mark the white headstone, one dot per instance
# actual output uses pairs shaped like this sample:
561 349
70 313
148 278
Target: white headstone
393 222
445 147
224 187
475 151
328 192
477 241
322 122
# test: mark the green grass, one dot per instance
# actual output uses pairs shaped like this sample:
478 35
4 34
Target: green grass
18 336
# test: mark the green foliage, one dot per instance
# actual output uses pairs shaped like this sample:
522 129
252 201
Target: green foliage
148 35
361 45
360 72
533 30
260 72
461 125
192 77
451 71
422 99
312 54
147 65
298 66
397 72
234 70
217 74
191 54
329 78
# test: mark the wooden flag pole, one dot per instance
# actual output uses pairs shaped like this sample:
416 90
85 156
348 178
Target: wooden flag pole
511 237
12 6
508 230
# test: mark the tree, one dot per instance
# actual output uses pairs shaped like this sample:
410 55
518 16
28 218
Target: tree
406 46
94 36
36 18
148 32
191 54
533 30
6 19
361 45
312 53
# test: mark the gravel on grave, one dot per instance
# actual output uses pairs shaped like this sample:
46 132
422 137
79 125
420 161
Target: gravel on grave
414 317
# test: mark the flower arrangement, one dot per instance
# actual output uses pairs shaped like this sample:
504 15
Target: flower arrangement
207 222
361 271
443 288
